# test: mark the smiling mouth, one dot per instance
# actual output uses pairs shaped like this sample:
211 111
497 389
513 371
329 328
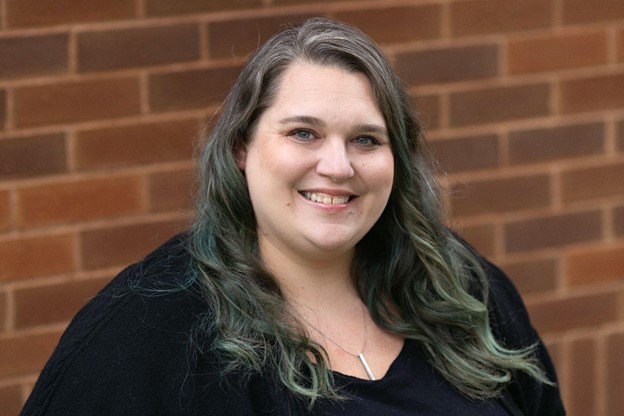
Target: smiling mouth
326 199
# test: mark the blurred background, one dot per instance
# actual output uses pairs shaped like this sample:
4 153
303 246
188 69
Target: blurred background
101 103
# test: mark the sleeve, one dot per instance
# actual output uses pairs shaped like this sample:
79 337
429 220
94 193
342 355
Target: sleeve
512 326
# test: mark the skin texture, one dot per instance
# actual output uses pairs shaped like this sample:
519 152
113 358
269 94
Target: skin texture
323 135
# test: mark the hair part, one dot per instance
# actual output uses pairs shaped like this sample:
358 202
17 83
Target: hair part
416 278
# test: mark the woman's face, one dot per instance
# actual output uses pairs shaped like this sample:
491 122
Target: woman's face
319 165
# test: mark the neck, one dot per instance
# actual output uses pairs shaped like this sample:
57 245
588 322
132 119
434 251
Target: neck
314 282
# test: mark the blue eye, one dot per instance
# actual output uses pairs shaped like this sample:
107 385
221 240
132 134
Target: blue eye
366 141
302 134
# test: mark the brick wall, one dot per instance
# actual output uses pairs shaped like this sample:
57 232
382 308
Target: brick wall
100 103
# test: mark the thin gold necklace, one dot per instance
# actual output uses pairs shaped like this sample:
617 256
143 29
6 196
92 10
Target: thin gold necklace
359 356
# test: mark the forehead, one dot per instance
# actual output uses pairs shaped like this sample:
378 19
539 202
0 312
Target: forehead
305 86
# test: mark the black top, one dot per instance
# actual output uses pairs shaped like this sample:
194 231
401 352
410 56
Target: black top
134 349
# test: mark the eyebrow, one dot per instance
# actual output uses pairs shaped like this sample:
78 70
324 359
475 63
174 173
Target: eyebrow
315 121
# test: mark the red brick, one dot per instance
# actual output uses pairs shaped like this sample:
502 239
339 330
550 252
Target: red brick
495 16
594 266
11 400
29 13
499 104
191 89
452 64
593 182
28 56
555 52
3 109
582 11
556 143
620 138
618 220
119 246
396 24
481 237
466 153
501 195
168 7
615 374
553 231
532 276
239 37
129 48
135 144
170 191
427 108
585 311
28 353
582 394
620 43
4 313
599 93
32 156
5 210
37 256
73 102
79 201
56 303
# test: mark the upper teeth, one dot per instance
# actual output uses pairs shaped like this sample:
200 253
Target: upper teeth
326 199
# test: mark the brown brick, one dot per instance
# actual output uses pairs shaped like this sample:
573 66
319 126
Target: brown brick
32 156
556 143
29 13
620 138
117 49
554 52
36 256
3 313
73 102
453 64
239 37
582 11
5 210
396 24
592 94
79 201
191 89
119 246
427 108
481 237
466 153
3 109
553 231
56 303
27 56
582 392
494 16
535 275
618 220
615 374
28 353
620 43
178 7
135 144
11 400
574 313
169 191
593 182
595 266
501 195
499 104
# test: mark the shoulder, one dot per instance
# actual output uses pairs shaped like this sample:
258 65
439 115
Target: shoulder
129 344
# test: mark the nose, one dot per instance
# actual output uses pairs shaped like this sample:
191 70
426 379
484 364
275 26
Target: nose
334 161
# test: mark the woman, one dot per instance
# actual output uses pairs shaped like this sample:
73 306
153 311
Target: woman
318 277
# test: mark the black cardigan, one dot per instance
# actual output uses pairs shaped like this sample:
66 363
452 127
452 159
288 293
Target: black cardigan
128 351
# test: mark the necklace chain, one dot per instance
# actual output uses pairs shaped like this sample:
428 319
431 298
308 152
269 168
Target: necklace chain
360 355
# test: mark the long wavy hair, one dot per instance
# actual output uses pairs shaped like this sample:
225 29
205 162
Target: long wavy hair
416 277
